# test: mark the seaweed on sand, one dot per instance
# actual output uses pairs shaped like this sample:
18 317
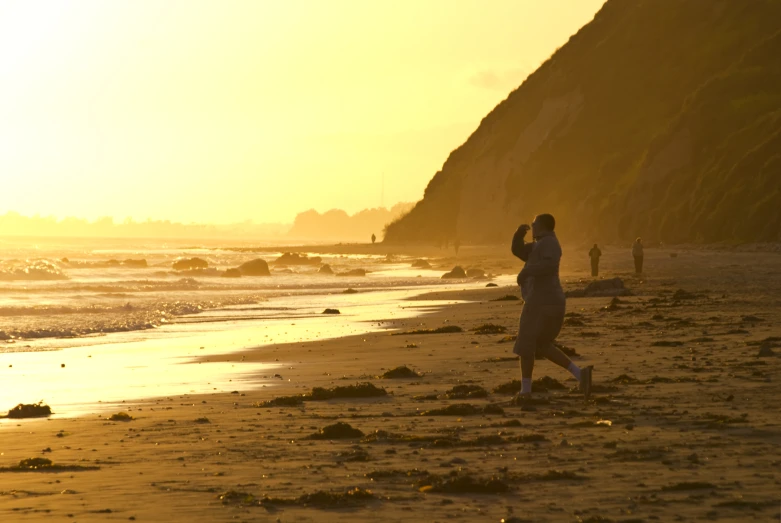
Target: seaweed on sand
466 391
234 496
357 453
361 390
624 379
29 410
282 401
463 409
392 473
544 384
402 372
553 475
441 330
507 297
318 499
667 343
339 430
742 504
44 465
383 436
489 328
511 387
325 499
121 416
688 485
463 484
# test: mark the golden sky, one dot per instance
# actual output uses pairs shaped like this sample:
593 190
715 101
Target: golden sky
211 111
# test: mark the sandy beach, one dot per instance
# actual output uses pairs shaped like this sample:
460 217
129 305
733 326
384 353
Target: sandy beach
683 424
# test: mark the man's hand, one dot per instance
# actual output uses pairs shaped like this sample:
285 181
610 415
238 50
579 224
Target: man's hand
524 228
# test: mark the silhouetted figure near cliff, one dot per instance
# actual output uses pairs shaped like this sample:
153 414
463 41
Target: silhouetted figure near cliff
374 238
543 311
594 254
456 245
637 254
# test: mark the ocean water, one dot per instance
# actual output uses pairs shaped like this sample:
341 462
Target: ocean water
84 330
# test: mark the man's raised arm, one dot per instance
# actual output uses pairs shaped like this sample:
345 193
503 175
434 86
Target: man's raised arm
519 247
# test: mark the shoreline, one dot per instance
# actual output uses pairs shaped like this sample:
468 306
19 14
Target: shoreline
691 433
142 358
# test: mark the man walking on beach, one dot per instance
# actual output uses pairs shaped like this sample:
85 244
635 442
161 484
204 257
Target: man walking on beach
543 310
594 254
637 254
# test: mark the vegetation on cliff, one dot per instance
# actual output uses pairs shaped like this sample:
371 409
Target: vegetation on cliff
659 119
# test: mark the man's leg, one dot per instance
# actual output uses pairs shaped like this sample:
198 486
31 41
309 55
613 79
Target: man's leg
527 369
583 375
526 344
551 326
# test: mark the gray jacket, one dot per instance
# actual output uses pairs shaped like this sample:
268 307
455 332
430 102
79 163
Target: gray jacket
539 279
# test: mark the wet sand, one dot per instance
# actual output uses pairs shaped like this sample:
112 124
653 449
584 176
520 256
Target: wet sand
684 424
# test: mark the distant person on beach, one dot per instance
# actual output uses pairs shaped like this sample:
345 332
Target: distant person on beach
374 238
594 254
545 303
637 254
456 245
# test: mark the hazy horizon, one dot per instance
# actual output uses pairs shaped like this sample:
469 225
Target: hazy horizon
333 225
190 112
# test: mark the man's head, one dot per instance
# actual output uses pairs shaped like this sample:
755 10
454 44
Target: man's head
543 223
639 240
595 245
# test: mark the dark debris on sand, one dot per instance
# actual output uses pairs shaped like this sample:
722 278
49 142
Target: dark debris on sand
324 499
688 485
357 453
667 343
463 409
319 499
396 473
463 484
441 330
624 379
339 430
29 410
544 384
361 390
507 297
466 391
283 401
121 416
551 475
402 372
451 441
44 465
489 328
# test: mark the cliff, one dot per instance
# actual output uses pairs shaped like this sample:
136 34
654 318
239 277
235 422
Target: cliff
660 118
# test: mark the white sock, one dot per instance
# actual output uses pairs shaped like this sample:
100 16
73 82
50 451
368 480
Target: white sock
575 370
526 385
